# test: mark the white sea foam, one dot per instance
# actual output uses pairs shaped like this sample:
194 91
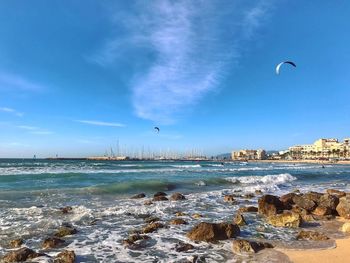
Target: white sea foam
267 179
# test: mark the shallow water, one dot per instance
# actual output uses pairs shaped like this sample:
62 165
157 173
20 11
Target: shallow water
31 192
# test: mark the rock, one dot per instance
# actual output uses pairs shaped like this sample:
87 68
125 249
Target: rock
229 198
297 191
330 201
180 214
152 227
212 232
160 198
287 199
66 209
240 246
52 242
248 209
66 256
346 227
311 235
322 211
250 195
183 247
148 202
270 205
151 219
21 255
239 220
177 196
258 192
16 243
343 208
138 196
336 193
303 201
65 231
177 221
286 219
305 215
197 216
159 194
313 196
133 238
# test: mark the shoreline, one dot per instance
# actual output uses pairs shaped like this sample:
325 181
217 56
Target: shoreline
300 161
330 255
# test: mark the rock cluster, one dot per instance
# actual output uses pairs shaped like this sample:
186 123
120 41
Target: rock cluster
211 232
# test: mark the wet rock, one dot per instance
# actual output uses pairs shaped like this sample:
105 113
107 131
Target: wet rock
270 205
197 216
343 208
52 242
16 243
311 235
151 219
177 221
239 220
66 256
249 195
336 193
20 255
297 191
180 214
211 232
138 196
65 231
248 209
330 201
322 211
152 227
313 196
159 194
159 198
66 209
241 246
133 238
346 227
177 197
286 219
287 199
258 192
304 202
183 247
148 202
229 198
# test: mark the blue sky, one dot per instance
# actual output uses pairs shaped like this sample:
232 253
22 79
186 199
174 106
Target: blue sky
75 76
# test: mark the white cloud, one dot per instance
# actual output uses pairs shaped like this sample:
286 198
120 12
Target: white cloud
192 42
26 127
34 130
101 123
12 111
15 82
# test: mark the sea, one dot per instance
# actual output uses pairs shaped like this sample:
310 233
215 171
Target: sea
33 191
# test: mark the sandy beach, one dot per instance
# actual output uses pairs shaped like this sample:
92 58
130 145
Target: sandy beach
340 254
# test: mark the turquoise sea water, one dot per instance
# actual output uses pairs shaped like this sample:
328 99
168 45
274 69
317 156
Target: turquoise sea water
32 191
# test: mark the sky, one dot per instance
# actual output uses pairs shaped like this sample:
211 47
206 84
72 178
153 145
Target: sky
76 77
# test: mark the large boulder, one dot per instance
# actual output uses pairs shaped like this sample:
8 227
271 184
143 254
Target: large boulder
66 256
20 255
177 197
311 235
343 208
270 205
336 192
211 232
305 202
330 201
286 219
241 246
52 242
287 199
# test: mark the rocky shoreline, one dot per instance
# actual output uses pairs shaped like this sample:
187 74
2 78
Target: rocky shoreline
305 213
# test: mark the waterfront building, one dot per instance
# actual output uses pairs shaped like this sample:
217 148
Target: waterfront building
249 155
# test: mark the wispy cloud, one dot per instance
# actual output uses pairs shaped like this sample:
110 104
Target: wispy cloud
12 111
101 123
193 43
34 130
15 82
